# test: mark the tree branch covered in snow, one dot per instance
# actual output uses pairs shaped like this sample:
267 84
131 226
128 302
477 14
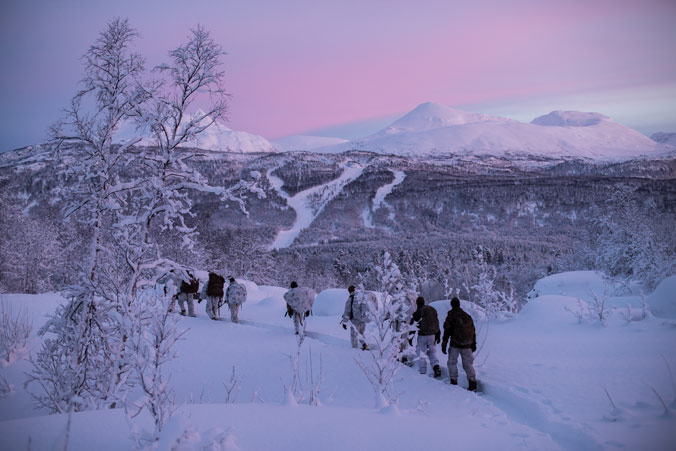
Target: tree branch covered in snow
15 330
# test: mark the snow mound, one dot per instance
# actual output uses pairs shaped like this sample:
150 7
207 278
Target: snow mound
662 302
569 119
576 284
330 302
549 310
304 142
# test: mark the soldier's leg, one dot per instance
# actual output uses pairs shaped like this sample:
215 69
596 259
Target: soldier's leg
361 328
191 304
234 310
467 361
181 302
354 336
453 362
212 302
296 322
421 351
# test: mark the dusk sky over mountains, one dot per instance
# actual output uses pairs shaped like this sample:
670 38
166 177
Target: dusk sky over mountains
347 68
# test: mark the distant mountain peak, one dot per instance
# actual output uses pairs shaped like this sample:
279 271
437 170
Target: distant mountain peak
431 115
570 119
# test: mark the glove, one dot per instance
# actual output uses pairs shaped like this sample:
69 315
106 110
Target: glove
474 347
437 338
307 313
199 300
443 349
344 326
410 341
286 313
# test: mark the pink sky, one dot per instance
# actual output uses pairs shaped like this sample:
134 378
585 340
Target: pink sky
297 66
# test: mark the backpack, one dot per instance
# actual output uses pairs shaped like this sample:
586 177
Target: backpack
215 285
190 287
463 330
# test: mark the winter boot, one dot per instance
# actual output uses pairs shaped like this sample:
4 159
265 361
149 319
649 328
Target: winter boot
364 347
454 382
472 385
437 371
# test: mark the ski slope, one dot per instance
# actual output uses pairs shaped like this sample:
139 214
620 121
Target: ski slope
308 204
379 199
545 380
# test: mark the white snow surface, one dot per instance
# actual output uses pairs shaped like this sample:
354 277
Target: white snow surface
308 204
305 142
546 384
379 199
434 130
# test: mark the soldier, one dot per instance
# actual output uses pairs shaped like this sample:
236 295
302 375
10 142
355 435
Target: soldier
299 302
235 296
186 293
459 327
357 315
428 336
213 292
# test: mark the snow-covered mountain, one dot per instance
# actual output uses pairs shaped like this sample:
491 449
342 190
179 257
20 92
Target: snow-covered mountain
664 138
217 137
432 130
305 142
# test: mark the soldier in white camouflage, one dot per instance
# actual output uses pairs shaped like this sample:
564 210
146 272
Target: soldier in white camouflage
235 296
356 315
299 302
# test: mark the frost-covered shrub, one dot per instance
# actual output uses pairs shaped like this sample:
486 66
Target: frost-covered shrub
15 329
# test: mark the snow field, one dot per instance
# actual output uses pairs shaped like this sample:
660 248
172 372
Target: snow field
545 378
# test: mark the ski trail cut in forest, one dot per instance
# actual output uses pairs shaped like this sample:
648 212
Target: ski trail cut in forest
309 204
379 199
532 414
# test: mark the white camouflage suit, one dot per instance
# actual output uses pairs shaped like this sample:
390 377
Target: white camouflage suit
299 302
235 296
357 315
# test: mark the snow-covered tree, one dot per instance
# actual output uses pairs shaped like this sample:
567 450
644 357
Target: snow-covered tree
388 332
627 244
152 336
82 366
483 291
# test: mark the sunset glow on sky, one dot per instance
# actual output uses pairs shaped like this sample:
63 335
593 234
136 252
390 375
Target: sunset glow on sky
310 66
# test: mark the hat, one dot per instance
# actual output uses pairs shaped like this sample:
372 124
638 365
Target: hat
350 288
420 301
455 302
294 284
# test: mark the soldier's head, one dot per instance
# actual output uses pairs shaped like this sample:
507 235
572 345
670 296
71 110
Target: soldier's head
232 280
294 284
420 301
455 302
351 289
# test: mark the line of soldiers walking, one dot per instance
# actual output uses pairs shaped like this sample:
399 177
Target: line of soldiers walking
212 291
459 333
459 336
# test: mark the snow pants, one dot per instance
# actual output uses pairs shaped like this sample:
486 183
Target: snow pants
298 320
427 346
234 312
357 333
184 298
467 361
212 306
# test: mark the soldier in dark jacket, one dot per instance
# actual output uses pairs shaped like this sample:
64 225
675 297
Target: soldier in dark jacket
213 292
459 327
428 336
186 294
